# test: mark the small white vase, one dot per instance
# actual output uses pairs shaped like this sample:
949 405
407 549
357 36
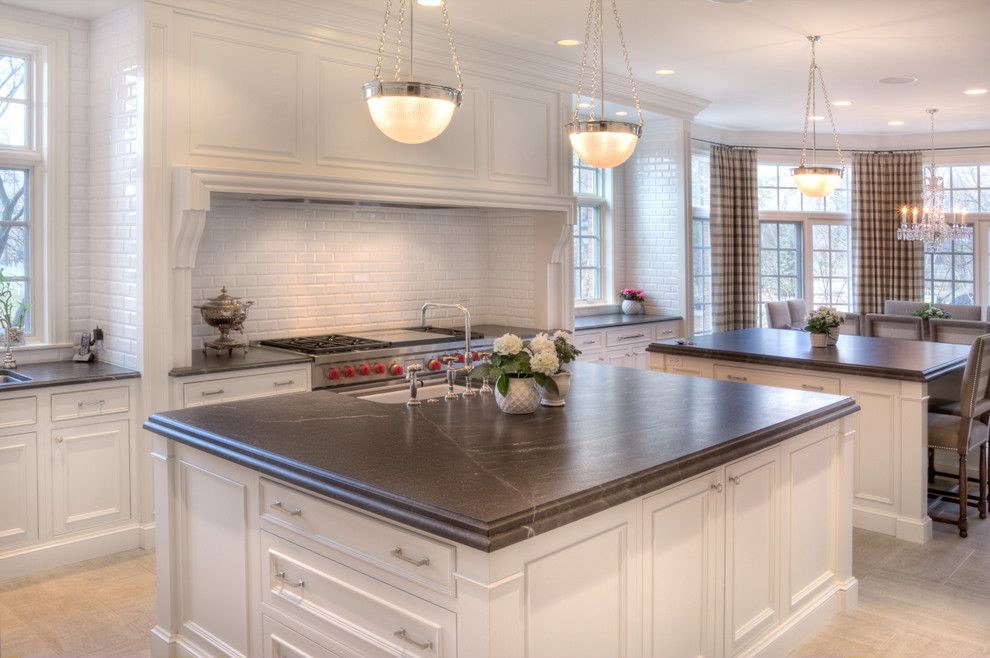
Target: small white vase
632 307
825 340
523 396
563 381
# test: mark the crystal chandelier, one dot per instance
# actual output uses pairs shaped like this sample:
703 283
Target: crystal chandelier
814 180
931 226
599 142
408 111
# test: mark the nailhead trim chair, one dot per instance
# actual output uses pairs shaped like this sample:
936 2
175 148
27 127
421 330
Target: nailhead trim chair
893 326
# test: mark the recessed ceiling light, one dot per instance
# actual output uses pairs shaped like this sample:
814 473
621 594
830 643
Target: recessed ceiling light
665 71
621 113
895 122
817 117
898 80
429 3
842 103
584 105
568 42
975 92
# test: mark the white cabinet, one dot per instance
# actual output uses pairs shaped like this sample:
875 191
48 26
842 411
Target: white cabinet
240 385
18 489
624 346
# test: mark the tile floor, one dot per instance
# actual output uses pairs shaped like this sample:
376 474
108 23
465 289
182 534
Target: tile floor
931 600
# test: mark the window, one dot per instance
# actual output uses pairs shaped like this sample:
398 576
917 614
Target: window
590 234
701 242
949 275
16 113
830 268
967 187
15 107
780 263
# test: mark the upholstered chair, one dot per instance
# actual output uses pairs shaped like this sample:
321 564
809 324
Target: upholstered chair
778 315
799 313
962 433
901 307
893 326
963 332
851 326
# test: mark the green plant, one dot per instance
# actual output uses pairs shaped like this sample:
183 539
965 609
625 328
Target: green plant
931 311
511 357
824 320
566 351
12 312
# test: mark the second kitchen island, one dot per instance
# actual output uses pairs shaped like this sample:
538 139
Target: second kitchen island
655 515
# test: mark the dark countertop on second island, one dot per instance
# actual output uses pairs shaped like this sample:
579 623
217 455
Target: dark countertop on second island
607 320
893 358
65 373
468 472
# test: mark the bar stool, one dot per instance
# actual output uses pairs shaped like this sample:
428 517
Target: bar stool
961 433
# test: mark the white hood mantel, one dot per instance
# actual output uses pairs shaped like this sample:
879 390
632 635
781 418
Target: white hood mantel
193 189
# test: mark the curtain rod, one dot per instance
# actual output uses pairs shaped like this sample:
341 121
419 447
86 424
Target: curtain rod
795 148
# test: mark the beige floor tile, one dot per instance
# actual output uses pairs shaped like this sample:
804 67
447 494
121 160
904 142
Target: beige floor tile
909 644
933 562
139 649
19 639
847 635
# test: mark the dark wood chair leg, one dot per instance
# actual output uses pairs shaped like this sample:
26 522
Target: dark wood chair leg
931 465
963 496
984 453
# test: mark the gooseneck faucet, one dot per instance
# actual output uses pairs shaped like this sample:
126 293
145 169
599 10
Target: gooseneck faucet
468 362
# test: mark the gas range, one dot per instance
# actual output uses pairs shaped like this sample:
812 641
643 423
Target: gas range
376 358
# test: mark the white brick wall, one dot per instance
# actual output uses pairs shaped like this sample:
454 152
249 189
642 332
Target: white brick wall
653 216
322 267
111 244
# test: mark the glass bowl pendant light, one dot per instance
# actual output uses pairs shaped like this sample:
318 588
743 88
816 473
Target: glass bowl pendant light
598 141
815 180
408 111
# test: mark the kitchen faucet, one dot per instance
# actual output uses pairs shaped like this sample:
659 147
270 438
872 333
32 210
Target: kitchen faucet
468 391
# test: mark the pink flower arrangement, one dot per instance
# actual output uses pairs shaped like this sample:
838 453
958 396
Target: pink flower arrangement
632 294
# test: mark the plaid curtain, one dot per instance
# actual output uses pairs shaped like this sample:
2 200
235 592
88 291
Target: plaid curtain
735 228
883 266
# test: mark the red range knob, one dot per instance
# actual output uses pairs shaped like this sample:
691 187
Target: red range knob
474 356
434 365
364 369
397 370
333 373
349 371
379 368
460 358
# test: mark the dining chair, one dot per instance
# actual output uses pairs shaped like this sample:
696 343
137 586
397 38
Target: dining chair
778 315
962 332
962 433
851 325
881 325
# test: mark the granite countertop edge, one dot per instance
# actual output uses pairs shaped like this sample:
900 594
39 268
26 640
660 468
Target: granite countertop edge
503 532
804 364
608 320
42 377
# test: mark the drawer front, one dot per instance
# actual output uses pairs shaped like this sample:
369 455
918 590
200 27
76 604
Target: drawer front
18 412
245 387
681 365
95 402
639 333
589 340
346 605
782 380
592 356
283 642
412 556
668 330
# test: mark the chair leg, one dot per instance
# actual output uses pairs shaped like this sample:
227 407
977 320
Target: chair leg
931 465
984 453
963 496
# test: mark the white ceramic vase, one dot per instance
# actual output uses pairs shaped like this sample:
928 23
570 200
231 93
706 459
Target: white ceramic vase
825 340
632 307
523 396
563 381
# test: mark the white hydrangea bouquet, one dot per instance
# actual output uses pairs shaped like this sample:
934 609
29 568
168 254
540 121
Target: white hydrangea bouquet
823 325
540 358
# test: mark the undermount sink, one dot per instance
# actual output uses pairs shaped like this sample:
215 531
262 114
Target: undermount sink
12 377
401 395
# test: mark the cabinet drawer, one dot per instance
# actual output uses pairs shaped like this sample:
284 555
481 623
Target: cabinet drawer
95 402
283 642
346 605
626 335
407 554
667 330
779 379
588 340
244 387
18 412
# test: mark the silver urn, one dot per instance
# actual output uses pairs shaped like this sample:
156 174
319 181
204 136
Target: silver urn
226 314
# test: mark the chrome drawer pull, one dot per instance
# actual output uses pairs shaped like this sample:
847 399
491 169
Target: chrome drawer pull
219 391
632 336
667 332
404 636
736 378
298 583
279 507
286 383
809 387
397 553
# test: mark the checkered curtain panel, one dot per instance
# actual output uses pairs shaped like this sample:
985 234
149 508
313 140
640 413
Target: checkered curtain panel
883 266
735 230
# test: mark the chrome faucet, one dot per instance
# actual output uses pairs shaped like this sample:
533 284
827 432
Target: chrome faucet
412 376
468 362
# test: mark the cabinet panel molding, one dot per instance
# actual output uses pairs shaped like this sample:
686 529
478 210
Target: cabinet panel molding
18 489
521 138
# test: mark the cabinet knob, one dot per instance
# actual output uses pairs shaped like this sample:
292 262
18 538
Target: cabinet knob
736 480
717 486
59 439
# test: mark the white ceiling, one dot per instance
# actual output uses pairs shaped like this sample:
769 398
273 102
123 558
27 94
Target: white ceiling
751 59
84 9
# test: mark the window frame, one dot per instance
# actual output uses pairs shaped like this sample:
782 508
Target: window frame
699 213
607 238
801 251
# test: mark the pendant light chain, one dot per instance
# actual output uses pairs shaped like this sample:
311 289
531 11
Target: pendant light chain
596 56
807 106
594 45
381 42
629 71
810 107
828 111
398 41
584 63
450 41
931 117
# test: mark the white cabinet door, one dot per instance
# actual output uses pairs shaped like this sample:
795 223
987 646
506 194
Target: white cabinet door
90 475
619 357
682 541
639 358
18 489
752 538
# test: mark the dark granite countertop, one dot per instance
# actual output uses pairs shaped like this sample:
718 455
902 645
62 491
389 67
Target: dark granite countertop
908 360
618 320
256 357
64 373
468 472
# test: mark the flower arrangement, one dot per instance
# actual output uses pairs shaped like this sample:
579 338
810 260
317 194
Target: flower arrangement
12 312
930 311
824 320
540 358
632 295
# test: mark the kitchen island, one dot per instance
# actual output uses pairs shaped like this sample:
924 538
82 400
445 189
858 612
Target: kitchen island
654 515
891 379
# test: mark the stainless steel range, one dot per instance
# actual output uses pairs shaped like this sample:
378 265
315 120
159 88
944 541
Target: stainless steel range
377 358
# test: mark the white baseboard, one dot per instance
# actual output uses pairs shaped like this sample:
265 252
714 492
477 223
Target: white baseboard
62 551
914 530
147 536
